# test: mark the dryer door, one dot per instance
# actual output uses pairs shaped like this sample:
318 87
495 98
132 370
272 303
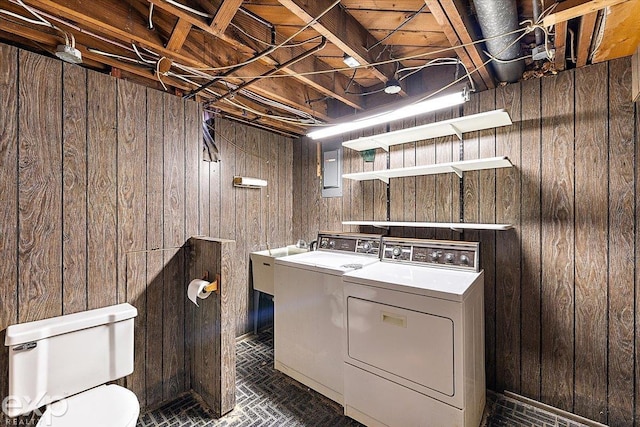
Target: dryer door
415 346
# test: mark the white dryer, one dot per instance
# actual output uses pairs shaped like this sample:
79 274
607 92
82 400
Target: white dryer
308 309
414 336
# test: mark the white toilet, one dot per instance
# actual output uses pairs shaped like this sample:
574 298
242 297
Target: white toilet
64 363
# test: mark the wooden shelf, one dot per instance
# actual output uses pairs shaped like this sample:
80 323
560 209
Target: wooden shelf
456 226
452 167
457 126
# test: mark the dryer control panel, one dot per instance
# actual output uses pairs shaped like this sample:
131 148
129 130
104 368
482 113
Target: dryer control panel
437 253
366 244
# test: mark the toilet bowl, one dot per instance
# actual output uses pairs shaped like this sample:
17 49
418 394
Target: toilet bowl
65 362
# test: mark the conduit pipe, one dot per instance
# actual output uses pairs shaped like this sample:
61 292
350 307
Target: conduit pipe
498 17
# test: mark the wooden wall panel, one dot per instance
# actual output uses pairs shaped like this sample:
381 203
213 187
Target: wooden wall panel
132 203
101 191
74 191
155 240
487 213
530 228
591 208
9 199
241 254
174 230
558 241
425 185
621 244
39 188
508 299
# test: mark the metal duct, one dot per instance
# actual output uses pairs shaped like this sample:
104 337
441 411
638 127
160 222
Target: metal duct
497 17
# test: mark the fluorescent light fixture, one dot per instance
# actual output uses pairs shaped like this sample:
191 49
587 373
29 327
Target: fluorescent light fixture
246 182
411 110
392 87
350 61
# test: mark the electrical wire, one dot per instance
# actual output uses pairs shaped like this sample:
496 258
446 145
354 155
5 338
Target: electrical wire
151 5
189 9
268 51
405 22
256 39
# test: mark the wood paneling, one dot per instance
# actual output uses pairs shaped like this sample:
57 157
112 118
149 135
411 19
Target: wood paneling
174 223
74 191
530 229
101 191
508 298
213 323
559 288
558 241
9 199
622 190
155 240
39 189
591 207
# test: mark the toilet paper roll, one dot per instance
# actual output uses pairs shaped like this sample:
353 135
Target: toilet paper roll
196 290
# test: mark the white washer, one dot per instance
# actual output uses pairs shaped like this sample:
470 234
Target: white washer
414 336
308 309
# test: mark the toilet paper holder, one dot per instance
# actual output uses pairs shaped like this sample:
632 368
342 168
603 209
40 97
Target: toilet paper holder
212 286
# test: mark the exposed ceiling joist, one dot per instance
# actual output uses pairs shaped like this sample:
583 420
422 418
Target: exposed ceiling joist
326 84
224 15
344 31
585 35
620 36
456 27
560 59
103 17
570 9
179 35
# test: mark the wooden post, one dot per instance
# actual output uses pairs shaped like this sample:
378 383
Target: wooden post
213 338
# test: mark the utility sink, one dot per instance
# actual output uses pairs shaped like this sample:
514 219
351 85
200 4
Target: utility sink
262 264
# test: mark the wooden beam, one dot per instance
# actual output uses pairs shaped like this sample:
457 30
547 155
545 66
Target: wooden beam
585 35
620 36
324 83
224 15
117 21
561 45
570 9
179 35
457 33
344 31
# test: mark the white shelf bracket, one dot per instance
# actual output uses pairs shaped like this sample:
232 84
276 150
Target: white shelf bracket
383 178
457 171
382 145
457 230
456 131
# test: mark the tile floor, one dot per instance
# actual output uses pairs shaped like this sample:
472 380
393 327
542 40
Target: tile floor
266 397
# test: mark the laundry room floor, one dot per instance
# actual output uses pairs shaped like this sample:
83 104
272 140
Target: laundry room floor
266 397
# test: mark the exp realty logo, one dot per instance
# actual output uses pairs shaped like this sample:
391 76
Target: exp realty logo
12 405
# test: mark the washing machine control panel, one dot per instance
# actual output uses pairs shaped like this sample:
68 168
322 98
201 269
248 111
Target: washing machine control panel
439 253
367 244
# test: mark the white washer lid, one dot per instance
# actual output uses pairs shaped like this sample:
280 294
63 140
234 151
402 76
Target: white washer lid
103 406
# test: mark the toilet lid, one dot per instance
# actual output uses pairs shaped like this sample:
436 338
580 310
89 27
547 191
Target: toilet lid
103 406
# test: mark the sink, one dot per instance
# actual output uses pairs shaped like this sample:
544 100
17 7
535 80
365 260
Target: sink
262 264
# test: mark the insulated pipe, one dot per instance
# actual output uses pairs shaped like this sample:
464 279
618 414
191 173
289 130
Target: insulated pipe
497 17
290 62
536 16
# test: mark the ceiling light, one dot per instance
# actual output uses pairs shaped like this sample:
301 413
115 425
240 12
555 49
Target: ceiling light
411 110
392 87
350 61
69 54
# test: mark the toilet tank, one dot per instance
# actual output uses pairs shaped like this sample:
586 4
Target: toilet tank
54 358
